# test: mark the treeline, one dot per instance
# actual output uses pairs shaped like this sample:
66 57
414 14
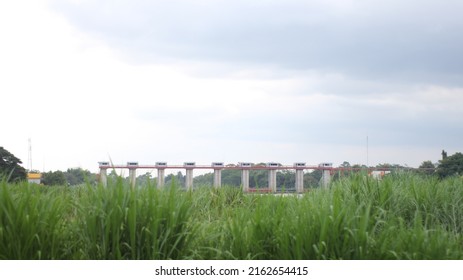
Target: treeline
11 169
448 166
70 177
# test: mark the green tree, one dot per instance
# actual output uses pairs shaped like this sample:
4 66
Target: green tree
258 179
77 176
345 164
231 177
451 165
204 180
55 178
9 166
427 168
286 179
344 172
178 179
312 178
145 179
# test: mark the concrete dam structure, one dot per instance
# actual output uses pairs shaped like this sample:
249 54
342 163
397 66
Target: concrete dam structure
245 168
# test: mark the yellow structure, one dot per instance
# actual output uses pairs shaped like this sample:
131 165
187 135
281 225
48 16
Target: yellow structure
34 177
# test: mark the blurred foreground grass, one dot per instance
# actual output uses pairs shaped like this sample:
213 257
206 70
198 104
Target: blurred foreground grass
403 216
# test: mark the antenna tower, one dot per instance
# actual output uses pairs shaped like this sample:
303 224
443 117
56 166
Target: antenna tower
29 157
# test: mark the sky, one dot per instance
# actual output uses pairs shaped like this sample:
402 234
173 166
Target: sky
230 81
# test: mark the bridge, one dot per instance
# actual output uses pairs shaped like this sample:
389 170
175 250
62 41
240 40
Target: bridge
245 168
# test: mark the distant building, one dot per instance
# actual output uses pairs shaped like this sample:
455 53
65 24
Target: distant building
34 177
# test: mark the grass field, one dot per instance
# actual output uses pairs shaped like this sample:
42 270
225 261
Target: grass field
403 216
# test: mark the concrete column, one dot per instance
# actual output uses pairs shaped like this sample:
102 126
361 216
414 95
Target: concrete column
132 177
326 174
326 178
299 166
161 177
132 166
189 179
103 177
272 176
104 173
217 174
272 180
189 174
161 173
217 178
245 179
299 180
245 175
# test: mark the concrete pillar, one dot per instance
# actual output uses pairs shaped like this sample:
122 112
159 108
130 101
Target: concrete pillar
189 174
132 166
161 177
103 173
245 175
104 177
132 177
245 179
189 179
326 178
217 174
272 176
299 166
299 180
326 174
161 173
217 178
272 180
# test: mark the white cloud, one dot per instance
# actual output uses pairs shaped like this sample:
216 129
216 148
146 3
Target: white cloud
82 96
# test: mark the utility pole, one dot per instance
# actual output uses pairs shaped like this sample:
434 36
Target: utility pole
29 157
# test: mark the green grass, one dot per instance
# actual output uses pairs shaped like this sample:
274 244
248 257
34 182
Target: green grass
32 222
403 216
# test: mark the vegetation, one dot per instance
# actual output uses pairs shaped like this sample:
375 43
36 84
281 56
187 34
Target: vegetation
403 216
286 179
10 166
71 177
450 165
56 178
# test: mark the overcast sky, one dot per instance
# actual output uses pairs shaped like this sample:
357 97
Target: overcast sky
285 81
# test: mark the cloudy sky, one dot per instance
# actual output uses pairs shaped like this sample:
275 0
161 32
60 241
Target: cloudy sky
230 81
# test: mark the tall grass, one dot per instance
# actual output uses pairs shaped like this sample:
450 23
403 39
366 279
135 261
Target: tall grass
124 223
400 217
32 222
403 216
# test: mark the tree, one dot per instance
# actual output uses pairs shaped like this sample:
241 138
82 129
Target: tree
77 176
345 164
312 178
145 179
286 179
204 180
179 179
231 177
451 165
9 166
427 168
55 178
345 171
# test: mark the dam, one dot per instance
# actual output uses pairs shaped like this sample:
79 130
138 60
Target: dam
217 167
